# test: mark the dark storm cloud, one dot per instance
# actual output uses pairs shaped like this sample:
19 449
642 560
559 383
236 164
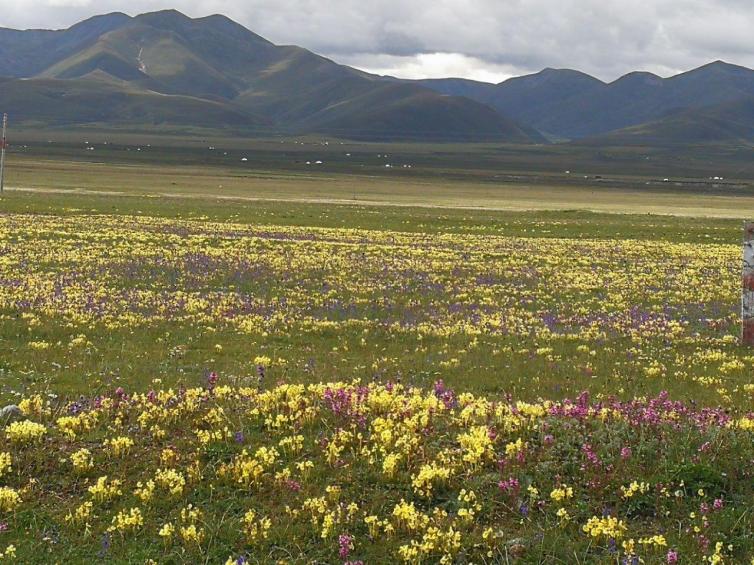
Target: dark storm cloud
479 38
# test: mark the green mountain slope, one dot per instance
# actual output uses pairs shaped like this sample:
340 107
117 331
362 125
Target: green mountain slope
217 64
97 100
567 104
729 122
214 59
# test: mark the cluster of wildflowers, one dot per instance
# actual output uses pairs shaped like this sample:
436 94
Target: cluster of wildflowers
432 476
480 298
271 462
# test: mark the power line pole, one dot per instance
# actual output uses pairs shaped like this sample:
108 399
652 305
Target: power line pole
3 145
747 292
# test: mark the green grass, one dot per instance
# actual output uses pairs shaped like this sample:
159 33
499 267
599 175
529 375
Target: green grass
115 260
182 352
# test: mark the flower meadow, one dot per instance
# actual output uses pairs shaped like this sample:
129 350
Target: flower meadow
346 472
200 391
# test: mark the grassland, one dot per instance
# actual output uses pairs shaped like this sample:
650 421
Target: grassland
535 384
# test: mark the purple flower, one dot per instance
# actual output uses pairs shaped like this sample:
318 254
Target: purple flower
672 557
511 485
345 545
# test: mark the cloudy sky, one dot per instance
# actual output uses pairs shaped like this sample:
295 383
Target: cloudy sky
482 39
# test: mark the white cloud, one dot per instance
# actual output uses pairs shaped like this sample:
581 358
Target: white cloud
431 65
68 3
475 38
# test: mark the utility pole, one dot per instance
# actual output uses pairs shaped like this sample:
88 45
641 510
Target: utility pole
747 292
3 145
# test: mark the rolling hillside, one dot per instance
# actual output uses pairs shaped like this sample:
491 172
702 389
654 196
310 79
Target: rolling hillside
115 68
164 68
566 104
96 101
729 122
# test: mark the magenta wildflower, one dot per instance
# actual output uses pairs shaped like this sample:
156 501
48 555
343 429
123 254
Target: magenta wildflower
345 545
511 485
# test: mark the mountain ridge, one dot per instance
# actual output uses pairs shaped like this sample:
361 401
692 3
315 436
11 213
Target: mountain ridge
215 64
214 59
568 104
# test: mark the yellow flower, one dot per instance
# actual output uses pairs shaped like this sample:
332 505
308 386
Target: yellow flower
9 499
119 446
82 513
24 432
607 527
167 531
171 480
255 528
634 488
192 534
82 460
6 462
127 521
104 490
428 477
9 553
561 493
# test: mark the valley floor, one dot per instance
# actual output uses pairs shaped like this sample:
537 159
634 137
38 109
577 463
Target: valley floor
523 380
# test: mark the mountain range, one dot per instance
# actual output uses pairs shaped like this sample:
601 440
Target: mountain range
166 70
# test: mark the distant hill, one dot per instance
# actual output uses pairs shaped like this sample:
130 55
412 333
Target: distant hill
167 68
566 104
726 123
54 102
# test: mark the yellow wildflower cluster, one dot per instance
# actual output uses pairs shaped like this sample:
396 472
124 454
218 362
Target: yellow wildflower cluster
82 460
171 480
104 490
561 493
476 444
119 446
127 521
605 527
9 499
420 474
191 532
9 554
255 528
634 488
428 477
25 432
247 470
6 462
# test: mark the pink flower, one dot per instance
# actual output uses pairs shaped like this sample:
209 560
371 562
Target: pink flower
345 545
511 485
672 557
